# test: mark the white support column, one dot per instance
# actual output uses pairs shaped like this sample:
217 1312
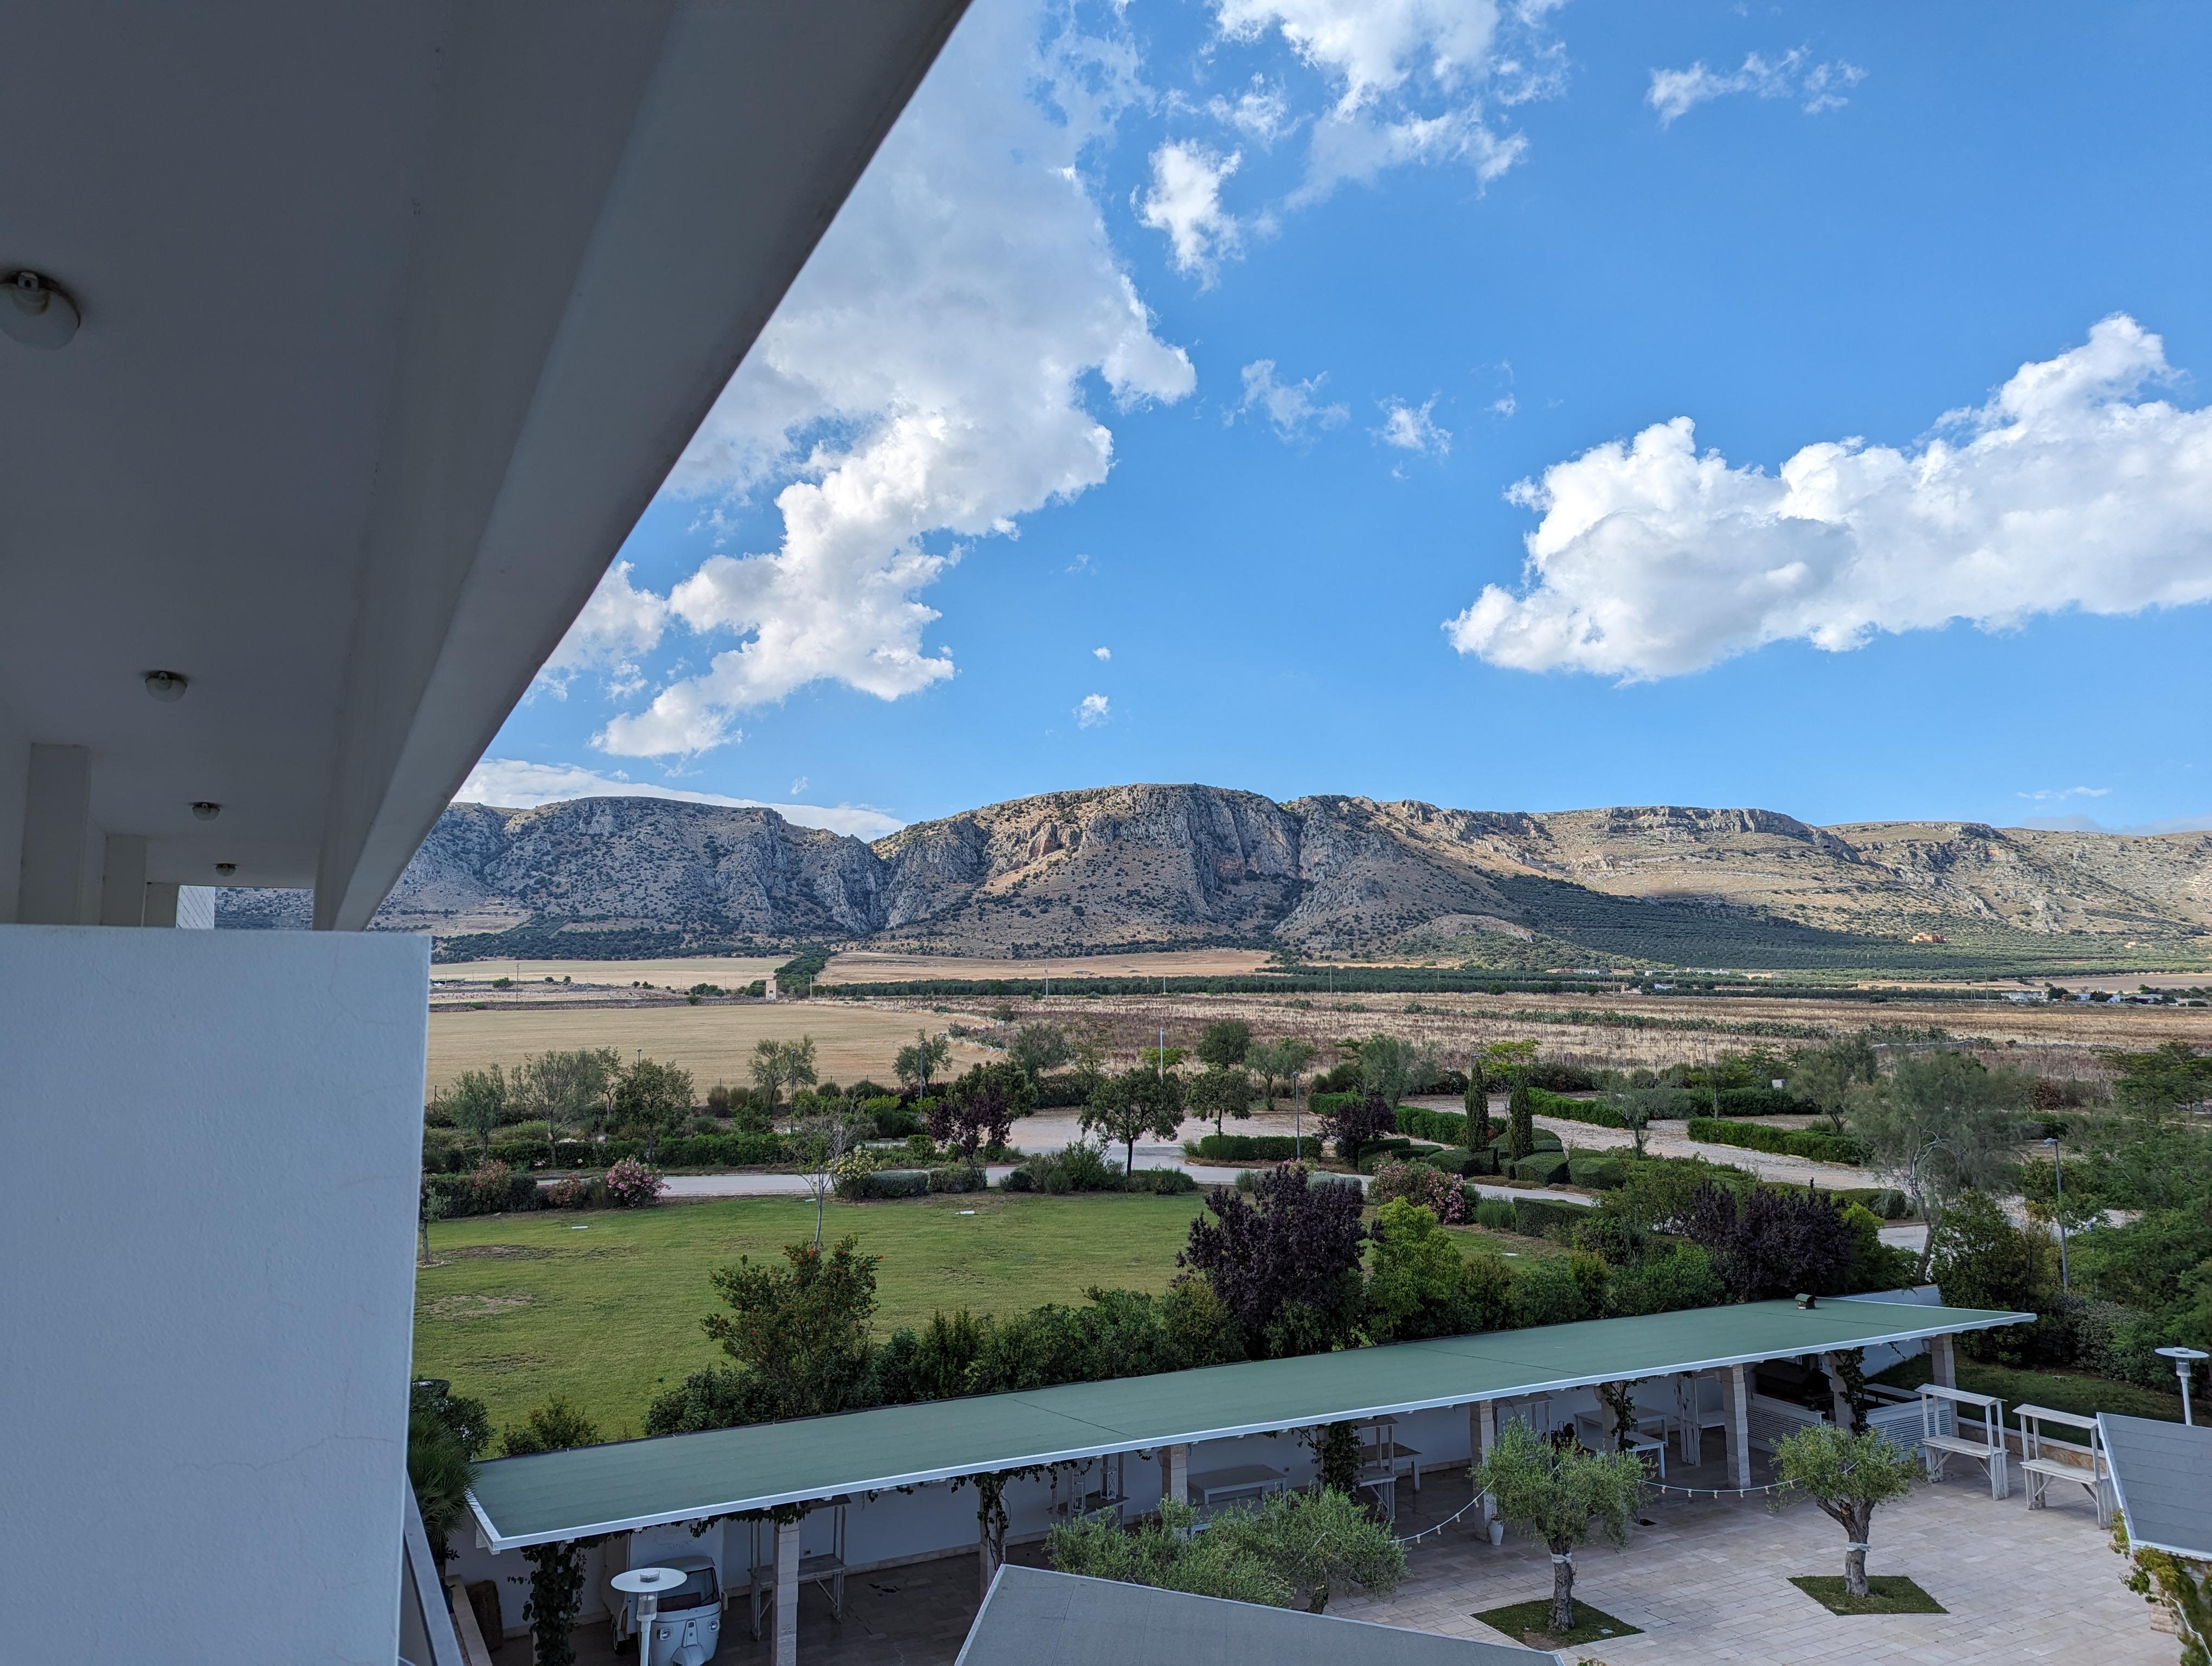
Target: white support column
1943 1361
1482 1431
1735 1402
786 1594
161 904
123 880
1175 1474
57 838
1841 1402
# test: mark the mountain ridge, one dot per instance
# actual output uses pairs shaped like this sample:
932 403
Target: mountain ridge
1112 869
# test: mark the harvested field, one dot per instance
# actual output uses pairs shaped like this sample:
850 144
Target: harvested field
863 966
1622 1031
714 1041
728 972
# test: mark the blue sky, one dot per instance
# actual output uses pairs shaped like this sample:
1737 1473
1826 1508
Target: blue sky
1513 407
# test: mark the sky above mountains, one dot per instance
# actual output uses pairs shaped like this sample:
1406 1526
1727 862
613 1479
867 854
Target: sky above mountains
1517 406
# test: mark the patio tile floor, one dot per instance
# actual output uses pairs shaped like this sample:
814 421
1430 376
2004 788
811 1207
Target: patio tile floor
1707 1582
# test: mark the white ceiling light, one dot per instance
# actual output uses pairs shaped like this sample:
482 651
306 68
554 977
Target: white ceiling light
167 686
37 311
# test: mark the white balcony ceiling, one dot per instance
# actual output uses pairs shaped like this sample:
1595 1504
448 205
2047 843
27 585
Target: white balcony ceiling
395 316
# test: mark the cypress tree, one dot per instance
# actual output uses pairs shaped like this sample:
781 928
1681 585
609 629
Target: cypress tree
1520 1126
1477 1108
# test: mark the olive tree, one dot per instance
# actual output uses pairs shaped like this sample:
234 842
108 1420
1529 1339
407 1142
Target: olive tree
1560 1495
479 1104
1848 1476
1134 1104
916 1065
1940 1124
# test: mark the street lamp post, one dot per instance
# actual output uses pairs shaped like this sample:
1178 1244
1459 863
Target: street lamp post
2059 1171
2183 1360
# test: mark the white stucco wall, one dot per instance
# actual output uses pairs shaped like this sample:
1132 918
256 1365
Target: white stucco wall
213 1138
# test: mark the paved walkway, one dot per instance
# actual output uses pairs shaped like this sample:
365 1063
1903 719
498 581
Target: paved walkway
1708 1584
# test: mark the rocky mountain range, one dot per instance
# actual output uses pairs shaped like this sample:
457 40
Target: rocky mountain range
1115 869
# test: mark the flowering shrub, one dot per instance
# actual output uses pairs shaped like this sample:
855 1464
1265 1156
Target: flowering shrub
492 1188
1418 1184
850 1173
631 1185
568 1194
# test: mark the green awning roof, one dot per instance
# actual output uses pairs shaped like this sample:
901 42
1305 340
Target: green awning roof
639 1483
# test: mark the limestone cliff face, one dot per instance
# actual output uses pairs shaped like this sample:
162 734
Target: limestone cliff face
1123 868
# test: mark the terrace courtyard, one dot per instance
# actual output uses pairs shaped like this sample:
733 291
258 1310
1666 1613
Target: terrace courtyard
1707 1584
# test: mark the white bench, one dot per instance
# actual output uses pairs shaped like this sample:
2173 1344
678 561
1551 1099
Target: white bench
2041 1466
1595 1431
1940 1439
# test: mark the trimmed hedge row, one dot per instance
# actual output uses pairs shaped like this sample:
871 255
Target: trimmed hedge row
1544 1167
1782 1142
688 1150
1596 1112
1535 1217
1250 1147
1446 1126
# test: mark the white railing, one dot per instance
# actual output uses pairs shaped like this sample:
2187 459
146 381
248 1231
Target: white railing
426 1630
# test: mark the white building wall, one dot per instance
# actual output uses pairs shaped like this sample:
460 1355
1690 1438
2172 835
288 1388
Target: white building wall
14 773
208 1302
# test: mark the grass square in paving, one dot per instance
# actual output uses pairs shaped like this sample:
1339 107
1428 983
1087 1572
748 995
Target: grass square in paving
1888 1593
1530 1623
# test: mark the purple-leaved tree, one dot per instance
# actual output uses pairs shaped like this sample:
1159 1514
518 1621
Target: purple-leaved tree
1285 1264
1765 1243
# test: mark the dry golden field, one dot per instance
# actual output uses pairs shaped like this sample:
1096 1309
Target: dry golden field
727 972
864 966
712 1041
1646 1032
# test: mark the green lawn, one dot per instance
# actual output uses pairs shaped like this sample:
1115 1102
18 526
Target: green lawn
1887 1593
605 1305
2060 1390
1531 1623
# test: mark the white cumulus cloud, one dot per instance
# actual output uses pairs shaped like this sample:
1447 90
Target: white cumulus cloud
1412 80
513 784
1675 92
1092 711
1102 653
1290 407
618 626
1411 428
2052 793
2073 487
922 381
1185 202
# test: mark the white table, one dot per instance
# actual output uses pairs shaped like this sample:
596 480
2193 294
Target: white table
645 1583
1596 1433
1212 1486
1391 1455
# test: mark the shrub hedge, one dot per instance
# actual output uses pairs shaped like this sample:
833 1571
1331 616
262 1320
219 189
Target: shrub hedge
1535 1217
1543 1167
1250 1148
1600 1174
1447 1127
1754 1136
1596 1112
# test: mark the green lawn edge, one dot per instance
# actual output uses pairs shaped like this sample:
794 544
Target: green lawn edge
1891 1593
1525 1621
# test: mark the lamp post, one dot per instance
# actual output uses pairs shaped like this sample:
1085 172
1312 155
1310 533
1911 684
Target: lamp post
2059 1171
2184 1360
645 1583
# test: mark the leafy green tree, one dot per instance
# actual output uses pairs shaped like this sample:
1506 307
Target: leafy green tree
1160 1060
1414 1269
1218 1093
555 1426
441 1468
821 1145
1940 1124
566 1087
1560 1495
1136 1103
1502 1063
799 1333
1831 1076
1394 1068
918 1066
1038 1048
654 1099
766 1070
1848 1476
1224 1044
798 1060
1477 1103
1277 1062
2169 1079
1293 1548
1520 1123
479 1104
